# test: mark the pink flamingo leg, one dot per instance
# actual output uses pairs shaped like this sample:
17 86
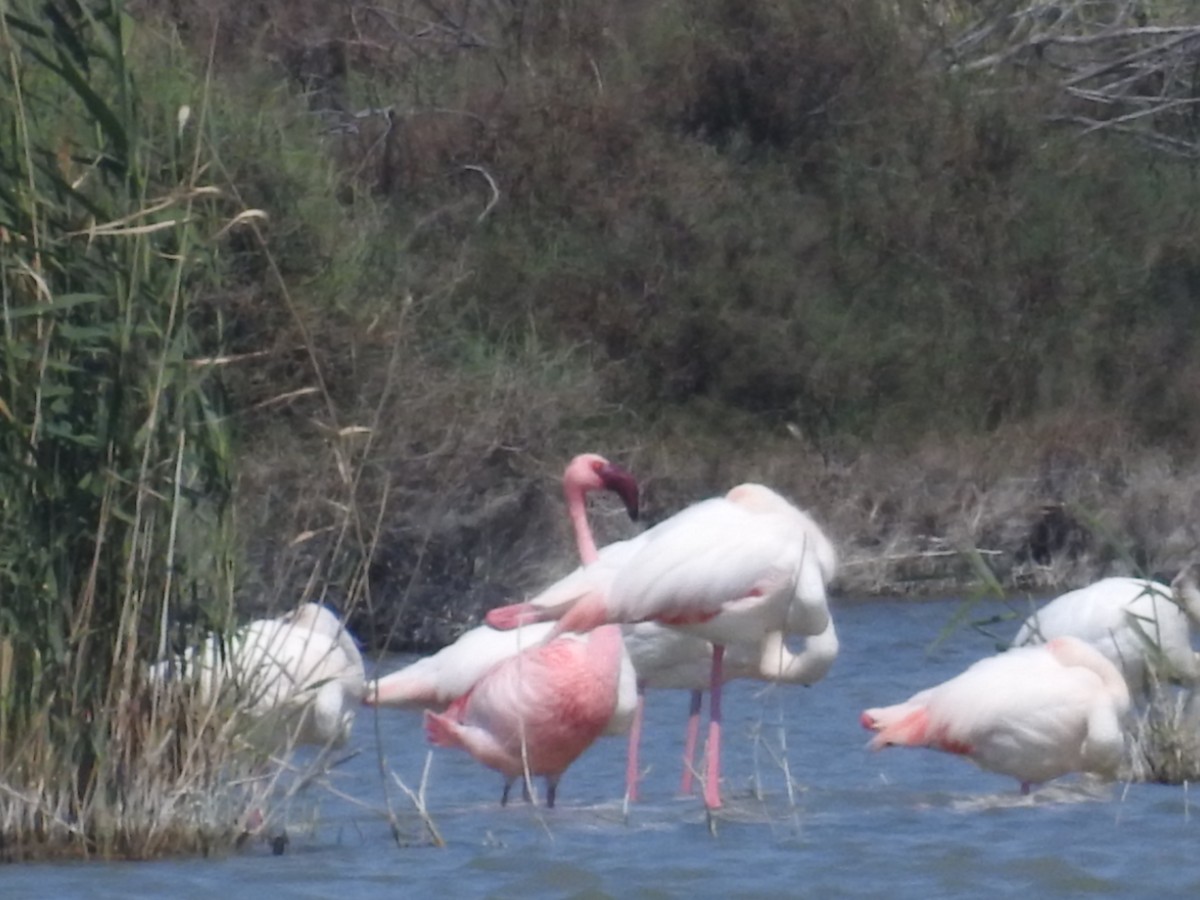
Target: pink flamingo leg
635 739
689 744
712 782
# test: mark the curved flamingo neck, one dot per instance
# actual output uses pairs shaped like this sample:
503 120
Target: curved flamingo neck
577 507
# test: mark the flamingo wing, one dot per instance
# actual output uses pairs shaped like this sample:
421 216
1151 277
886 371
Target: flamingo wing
713 555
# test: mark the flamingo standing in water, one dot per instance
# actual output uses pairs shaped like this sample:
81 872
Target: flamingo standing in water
1033 713
298 678
735 569
665 657
536 712
1140 625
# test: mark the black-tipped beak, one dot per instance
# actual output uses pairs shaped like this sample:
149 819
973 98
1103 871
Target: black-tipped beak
624 485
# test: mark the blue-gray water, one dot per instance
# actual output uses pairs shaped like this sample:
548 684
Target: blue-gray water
898 824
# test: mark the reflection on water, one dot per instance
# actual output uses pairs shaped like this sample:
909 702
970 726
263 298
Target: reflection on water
896 824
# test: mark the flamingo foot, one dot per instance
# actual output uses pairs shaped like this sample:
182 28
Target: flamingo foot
441 730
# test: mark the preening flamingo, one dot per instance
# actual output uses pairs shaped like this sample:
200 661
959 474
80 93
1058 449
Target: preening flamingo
1141 626
299 677
584 474
730 570
1033 713
482 657
536 712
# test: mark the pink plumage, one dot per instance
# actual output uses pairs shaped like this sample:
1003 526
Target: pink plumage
536 712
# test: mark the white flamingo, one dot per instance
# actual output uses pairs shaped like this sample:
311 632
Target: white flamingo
1033 713
1142 626
299 677
732 570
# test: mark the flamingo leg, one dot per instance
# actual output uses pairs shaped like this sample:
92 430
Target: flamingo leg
551 791
632 766
689 744
504 796
712 781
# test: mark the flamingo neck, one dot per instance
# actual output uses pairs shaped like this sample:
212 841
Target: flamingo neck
577 507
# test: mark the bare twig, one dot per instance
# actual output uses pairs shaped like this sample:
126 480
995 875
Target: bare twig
1142 77
495 191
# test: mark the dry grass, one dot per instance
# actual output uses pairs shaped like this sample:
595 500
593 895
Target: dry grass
1165 738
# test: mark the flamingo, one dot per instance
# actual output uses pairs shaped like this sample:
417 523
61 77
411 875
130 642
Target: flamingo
298 678
536 712
475 675
1033 713
731 570
1140 625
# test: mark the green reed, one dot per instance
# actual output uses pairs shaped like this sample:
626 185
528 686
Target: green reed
114 462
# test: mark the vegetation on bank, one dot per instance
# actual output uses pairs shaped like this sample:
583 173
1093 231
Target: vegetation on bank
115 472
887 257
313 302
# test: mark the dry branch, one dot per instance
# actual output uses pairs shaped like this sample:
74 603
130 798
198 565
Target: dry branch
1115 72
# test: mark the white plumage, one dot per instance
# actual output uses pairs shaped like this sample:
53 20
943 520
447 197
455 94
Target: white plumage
1140 625
298 678
1033 713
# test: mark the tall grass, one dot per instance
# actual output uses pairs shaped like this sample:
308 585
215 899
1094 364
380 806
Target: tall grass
114 462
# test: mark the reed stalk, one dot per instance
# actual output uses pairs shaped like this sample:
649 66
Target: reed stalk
114 459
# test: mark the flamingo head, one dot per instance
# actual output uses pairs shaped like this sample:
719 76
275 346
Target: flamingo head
592 472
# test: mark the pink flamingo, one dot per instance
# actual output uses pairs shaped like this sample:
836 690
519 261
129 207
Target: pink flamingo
436 681
1033 713
731 570
536 712
538 707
